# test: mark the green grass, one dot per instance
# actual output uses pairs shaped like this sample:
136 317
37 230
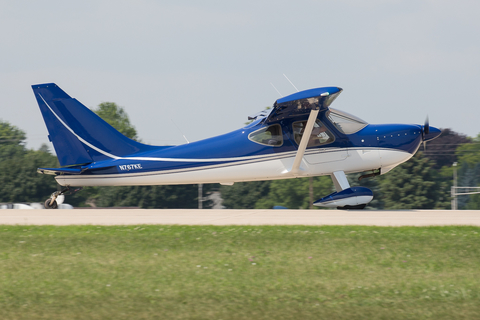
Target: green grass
232 272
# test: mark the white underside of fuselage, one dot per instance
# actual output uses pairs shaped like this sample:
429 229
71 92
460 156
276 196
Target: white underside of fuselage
316 162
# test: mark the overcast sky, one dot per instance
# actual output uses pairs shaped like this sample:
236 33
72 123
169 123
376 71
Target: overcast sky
207 65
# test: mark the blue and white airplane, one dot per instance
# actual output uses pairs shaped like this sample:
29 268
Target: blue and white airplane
301 136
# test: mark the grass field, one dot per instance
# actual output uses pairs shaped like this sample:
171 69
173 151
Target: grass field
232 272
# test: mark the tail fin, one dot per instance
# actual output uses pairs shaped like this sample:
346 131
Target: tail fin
78 135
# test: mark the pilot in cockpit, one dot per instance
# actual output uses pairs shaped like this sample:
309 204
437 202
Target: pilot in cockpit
318 136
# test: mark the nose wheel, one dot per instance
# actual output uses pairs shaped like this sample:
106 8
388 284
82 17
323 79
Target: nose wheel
58 197
51 203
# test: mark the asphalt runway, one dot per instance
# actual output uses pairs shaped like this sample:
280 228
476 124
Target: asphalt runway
239 217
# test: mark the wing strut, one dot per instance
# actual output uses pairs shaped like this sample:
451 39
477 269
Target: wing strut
303 143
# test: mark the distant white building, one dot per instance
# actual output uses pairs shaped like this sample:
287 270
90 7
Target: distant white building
33 205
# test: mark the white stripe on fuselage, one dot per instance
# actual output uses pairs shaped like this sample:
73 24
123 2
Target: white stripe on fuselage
252 170
243 160
76 135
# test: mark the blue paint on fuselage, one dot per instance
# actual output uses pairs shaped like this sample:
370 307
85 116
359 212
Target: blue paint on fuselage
235 145
402 137
227 146
85 144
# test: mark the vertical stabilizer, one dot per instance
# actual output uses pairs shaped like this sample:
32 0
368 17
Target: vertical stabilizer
78 135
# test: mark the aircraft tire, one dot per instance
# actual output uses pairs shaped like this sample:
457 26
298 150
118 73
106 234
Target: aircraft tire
357 207
54 205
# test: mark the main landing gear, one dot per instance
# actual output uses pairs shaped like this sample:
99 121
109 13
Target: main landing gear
58 197
357 207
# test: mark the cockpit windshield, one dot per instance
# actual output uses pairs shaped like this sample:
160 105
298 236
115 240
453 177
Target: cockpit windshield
345 122
270 136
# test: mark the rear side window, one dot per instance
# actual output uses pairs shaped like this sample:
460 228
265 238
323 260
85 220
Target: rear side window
269 136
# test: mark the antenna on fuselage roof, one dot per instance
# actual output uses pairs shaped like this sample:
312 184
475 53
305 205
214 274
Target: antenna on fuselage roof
281 95
290 82
180 131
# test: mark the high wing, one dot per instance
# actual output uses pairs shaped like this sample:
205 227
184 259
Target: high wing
301 103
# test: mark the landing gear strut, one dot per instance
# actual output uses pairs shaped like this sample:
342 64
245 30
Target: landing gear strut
51 203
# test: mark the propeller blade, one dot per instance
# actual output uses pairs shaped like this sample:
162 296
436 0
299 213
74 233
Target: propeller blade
426 131
426 127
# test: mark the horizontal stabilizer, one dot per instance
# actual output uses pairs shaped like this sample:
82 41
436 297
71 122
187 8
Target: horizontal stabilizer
57 171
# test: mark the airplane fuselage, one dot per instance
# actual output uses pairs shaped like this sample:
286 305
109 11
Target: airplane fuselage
217 160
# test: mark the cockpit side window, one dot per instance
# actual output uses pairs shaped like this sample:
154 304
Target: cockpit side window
269 136
345 122
320 134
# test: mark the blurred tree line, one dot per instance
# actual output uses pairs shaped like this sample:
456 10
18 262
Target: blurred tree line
19 181
422 182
